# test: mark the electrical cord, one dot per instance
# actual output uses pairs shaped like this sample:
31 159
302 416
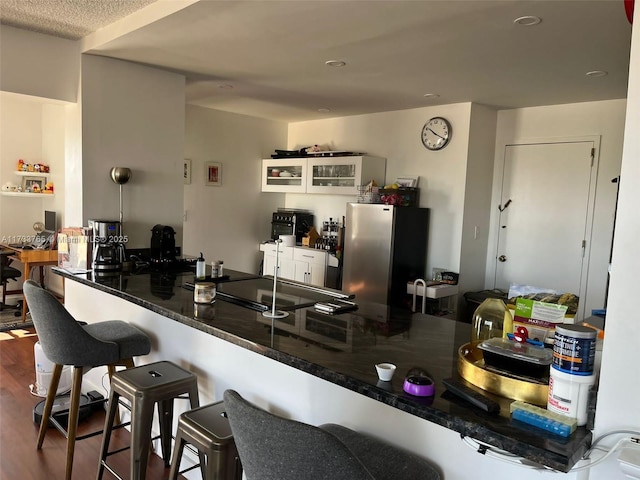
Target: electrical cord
618 444
595 443
504 456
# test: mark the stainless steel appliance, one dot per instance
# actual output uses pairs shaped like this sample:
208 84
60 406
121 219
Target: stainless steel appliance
384 247
291 222
108 245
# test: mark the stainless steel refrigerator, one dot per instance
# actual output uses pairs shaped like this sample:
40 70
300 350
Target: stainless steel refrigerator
384 247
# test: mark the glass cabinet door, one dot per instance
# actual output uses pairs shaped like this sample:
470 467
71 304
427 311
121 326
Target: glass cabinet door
334 174
284 175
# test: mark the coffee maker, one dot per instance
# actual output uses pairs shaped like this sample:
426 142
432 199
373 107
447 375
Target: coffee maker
163 245
108 245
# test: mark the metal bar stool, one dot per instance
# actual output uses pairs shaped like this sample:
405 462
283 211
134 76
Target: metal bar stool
207 428
145 386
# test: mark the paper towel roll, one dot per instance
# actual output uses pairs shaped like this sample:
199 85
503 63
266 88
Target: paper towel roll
288 240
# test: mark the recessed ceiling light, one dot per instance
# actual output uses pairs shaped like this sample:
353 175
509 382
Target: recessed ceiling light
431 95
528 20
225 86
324 110
597 73
335 63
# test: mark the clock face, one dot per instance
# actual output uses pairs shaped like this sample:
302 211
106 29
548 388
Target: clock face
436 133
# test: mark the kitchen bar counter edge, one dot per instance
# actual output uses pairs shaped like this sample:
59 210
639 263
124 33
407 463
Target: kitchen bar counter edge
478 430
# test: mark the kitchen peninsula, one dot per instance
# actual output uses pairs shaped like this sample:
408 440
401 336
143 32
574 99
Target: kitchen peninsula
319 368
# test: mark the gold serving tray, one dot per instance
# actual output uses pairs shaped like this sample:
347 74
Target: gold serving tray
471 367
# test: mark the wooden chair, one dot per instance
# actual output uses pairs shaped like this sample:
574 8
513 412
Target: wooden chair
9 273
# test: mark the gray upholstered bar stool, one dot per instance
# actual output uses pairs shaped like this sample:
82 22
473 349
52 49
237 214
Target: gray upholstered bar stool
68 342
207 428
158 384
276 448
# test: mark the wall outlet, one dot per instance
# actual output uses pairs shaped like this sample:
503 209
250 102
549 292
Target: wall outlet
629 459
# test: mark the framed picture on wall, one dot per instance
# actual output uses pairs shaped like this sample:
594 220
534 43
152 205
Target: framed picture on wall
213 174
187 171
408 181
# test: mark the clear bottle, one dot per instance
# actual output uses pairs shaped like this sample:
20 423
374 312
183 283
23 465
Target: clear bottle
201 268
491 319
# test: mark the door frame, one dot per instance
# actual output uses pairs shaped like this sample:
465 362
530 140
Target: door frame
492 253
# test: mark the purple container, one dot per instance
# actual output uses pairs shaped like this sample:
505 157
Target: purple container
419 386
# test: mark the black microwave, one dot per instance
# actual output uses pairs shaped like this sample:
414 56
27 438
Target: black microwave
291 222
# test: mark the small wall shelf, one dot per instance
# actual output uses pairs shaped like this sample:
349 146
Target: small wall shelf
32 174
27 194
37 177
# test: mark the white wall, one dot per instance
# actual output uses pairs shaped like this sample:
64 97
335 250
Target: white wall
396 136
604 119
618 405
20 137
228 222
132 116
477 199
38 65
32 129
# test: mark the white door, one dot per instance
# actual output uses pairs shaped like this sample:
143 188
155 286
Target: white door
545 218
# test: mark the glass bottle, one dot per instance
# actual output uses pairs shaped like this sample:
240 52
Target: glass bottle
491 319
200 268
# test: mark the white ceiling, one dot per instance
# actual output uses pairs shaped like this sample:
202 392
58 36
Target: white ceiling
266 58
71 19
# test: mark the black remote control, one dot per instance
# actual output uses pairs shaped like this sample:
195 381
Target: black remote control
461 390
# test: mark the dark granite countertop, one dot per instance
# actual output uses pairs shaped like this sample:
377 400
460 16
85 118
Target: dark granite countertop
343 349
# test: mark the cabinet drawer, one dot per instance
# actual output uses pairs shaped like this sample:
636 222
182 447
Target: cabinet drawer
310 255
285 252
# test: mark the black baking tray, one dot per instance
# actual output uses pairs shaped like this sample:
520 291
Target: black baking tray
519 358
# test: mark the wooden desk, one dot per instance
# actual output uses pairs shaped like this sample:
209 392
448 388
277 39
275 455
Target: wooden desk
31 258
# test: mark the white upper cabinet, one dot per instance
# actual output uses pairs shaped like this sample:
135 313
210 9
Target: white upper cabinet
284 175
343 175
335 175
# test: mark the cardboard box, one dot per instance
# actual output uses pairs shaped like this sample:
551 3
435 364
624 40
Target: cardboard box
538 319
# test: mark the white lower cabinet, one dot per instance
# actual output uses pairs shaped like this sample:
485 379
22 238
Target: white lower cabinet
285 261
302 264
309 273
310 266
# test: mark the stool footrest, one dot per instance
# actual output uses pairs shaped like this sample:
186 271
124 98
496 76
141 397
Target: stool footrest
193 467
111 470
63 430
113 452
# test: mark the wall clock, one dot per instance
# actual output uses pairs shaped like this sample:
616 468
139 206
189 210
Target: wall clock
436 133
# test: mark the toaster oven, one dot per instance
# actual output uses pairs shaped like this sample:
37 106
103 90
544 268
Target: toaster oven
291 222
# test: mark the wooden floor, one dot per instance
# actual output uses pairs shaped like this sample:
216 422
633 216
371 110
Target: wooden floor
19 458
